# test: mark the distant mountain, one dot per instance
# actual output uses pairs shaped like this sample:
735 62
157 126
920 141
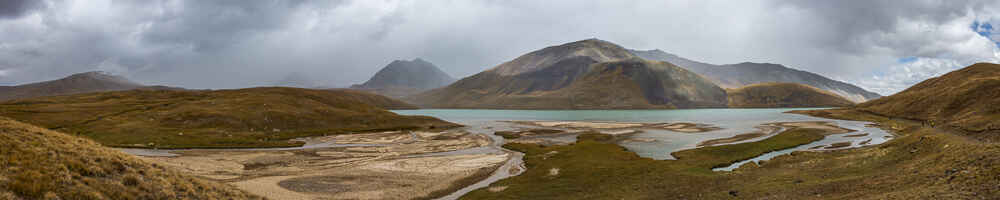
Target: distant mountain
967 99
783 95
742 74
403 78
587 74
73 84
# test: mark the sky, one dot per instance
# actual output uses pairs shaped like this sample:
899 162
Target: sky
883 46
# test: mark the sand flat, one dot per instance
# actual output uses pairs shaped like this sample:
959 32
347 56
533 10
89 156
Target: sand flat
386 171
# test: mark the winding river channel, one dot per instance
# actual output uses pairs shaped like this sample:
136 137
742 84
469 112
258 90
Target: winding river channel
650 143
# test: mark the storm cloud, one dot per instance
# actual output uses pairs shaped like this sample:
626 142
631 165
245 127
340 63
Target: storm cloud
883 46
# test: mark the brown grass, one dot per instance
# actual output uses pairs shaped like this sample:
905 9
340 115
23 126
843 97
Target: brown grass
37 163
967 99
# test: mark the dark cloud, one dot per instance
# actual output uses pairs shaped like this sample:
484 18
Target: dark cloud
212 25
17 8
243 43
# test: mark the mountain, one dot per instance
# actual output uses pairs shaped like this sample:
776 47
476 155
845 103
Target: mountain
403 78
742 74
967 99
587 74
783 95
38 163
73 84
254 117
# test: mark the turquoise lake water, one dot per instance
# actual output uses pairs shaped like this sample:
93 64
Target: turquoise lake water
658 144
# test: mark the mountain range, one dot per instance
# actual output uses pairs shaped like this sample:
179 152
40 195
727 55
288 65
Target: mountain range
587 74
597 74
746 73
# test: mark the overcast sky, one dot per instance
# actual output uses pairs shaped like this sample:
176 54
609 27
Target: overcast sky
883 46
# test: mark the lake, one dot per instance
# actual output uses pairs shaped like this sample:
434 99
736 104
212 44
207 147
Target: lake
654 143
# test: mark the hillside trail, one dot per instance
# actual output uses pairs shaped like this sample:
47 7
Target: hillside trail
958 133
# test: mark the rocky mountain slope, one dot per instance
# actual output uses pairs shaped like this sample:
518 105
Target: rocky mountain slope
73 84
254 117
37 163
403 78
967 99
587 74
783 95
742 74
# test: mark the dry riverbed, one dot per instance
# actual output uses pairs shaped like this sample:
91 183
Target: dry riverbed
387 165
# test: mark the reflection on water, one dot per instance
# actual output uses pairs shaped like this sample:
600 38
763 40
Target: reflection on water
653 143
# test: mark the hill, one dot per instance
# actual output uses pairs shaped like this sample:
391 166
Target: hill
376 100
742 74
783 95
587 74
255 117
403 78
73 84
967 99
36 163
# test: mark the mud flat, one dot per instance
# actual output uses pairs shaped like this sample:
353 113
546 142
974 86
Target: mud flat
828 127
762 130
387 165
683 127
580 124
857 135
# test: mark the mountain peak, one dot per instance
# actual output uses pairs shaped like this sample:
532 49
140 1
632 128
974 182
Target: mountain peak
596 49
101 76
417 74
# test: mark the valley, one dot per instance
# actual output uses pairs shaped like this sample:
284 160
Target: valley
631 128
497 100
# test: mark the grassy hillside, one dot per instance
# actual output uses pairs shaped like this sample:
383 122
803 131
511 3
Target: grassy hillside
967 99
255 117
36 163
921 163
783 95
